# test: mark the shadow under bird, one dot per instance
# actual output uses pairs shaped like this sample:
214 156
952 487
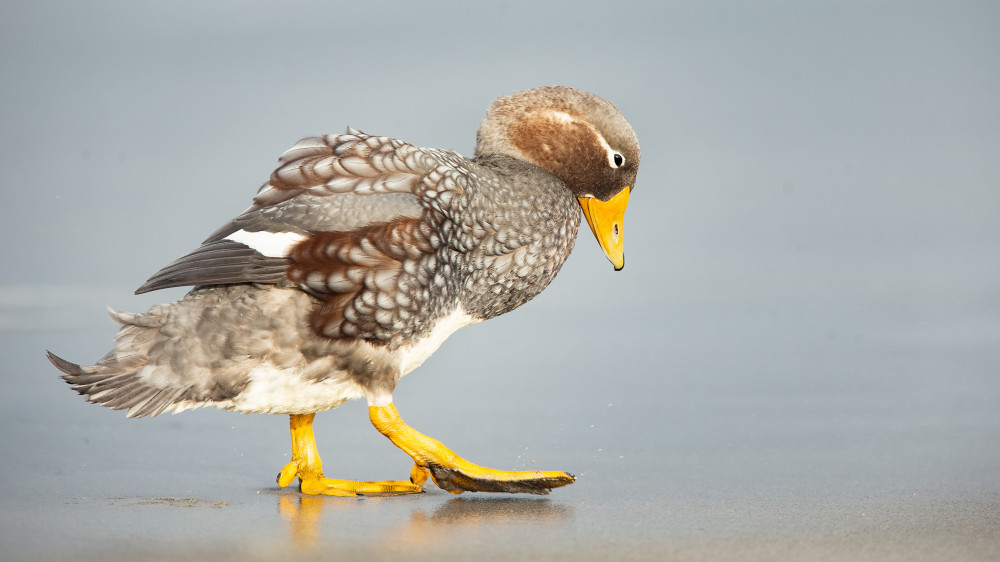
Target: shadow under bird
356 260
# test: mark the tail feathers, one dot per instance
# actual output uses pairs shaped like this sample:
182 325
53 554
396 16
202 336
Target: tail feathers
119 380
71 369
119 389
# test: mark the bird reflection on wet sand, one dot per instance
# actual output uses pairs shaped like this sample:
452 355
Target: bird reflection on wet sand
303 514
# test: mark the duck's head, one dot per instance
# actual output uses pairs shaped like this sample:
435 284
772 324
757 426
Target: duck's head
580 138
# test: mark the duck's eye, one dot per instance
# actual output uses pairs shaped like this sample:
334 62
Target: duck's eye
618 160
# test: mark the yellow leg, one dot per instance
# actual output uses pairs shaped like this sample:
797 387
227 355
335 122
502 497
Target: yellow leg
453 473
307 465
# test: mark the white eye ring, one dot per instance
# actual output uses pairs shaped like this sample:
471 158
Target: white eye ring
617 160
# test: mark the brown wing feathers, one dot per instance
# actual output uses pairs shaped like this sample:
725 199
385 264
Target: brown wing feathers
360 164
363 277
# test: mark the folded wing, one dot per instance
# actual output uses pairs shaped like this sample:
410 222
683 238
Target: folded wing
329 184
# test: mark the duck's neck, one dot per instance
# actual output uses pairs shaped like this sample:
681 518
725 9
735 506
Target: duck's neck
524 229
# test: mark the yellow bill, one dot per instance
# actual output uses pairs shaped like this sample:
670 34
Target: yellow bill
606 219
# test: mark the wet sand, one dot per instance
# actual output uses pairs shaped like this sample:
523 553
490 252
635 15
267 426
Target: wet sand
696 473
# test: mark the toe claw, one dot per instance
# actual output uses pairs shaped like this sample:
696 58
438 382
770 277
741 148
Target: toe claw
287 474
419 474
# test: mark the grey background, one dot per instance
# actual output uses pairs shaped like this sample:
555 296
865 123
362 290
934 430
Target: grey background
800 360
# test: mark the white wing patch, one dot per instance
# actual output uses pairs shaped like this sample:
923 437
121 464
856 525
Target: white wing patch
270 244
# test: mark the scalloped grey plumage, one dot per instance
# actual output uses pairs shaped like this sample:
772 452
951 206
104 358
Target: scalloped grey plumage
378 250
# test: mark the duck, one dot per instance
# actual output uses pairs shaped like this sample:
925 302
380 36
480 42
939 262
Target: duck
355 261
